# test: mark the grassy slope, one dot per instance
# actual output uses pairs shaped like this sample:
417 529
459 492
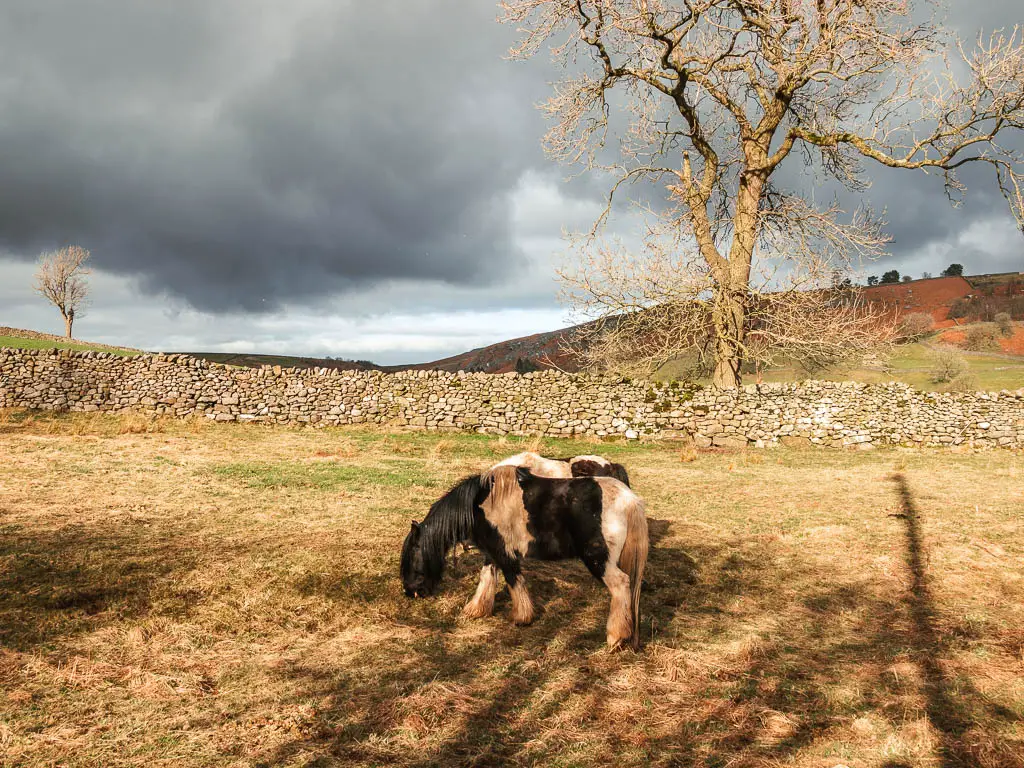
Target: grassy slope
19 342
185 594
285 361
912 364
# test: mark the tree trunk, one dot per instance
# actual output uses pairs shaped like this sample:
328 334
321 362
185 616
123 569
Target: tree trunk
68 322
729 321
727 373
730 312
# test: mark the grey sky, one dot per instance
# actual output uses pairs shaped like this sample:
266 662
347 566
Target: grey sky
250 162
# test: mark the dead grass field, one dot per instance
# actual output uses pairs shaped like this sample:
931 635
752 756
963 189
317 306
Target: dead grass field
184 594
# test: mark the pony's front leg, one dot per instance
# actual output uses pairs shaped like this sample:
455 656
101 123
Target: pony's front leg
522 605
482 603
620 620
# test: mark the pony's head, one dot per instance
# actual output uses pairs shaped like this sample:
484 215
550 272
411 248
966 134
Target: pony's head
619 473
598 466
449 521
420 572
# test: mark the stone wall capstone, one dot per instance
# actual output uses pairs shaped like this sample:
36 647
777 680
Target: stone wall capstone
541 403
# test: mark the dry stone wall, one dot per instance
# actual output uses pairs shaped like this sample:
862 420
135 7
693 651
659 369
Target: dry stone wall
543 403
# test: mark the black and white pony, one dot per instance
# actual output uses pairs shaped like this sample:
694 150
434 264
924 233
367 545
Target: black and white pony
575 466
510 514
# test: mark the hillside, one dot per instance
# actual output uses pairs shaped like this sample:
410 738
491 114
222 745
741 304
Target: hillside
21 338
934 296
523 354
526 353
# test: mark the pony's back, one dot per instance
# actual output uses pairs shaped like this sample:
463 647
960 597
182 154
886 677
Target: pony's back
537 464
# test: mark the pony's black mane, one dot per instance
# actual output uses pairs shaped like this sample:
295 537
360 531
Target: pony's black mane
450 519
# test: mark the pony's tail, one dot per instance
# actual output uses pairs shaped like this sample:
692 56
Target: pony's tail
633 559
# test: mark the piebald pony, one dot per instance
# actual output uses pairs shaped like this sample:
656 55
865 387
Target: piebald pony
510 514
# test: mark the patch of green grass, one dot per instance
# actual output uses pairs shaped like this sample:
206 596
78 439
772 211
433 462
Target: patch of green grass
910 364
17 342
322 476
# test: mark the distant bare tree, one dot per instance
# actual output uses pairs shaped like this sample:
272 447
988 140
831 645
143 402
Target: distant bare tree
60 279
915 326
718 95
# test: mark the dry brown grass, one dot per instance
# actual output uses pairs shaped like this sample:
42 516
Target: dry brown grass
209 595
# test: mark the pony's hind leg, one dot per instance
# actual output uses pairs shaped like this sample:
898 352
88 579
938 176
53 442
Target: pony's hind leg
620 620
482 603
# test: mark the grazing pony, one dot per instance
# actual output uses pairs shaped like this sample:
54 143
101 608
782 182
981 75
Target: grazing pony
510 513
577 466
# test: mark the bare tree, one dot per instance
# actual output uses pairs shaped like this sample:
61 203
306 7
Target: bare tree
916 326
60 279
720 94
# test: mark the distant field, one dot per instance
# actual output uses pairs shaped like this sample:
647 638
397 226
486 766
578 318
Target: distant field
16 338
185 594
911 364
285 361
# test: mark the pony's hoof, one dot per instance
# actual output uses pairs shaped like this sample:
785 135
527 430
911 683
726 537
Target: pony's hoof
618 642
475 612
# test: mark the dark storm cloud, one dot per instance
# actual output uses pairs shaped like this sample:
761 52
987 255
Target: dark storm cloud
249 154
239 155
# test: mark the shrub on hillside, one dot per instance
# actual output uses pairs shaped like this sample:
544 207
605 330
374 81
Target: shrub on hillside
959 308
963 382
981 337
916 326
1004 323
947 365
986 309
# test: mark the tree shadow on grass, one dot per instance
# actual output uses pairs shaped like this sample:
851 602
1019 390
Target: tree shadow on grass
833 662
57 584
390 693
955 708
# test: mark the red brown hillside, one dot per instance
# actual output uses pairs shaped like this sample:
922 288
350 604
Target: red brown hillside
934 296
